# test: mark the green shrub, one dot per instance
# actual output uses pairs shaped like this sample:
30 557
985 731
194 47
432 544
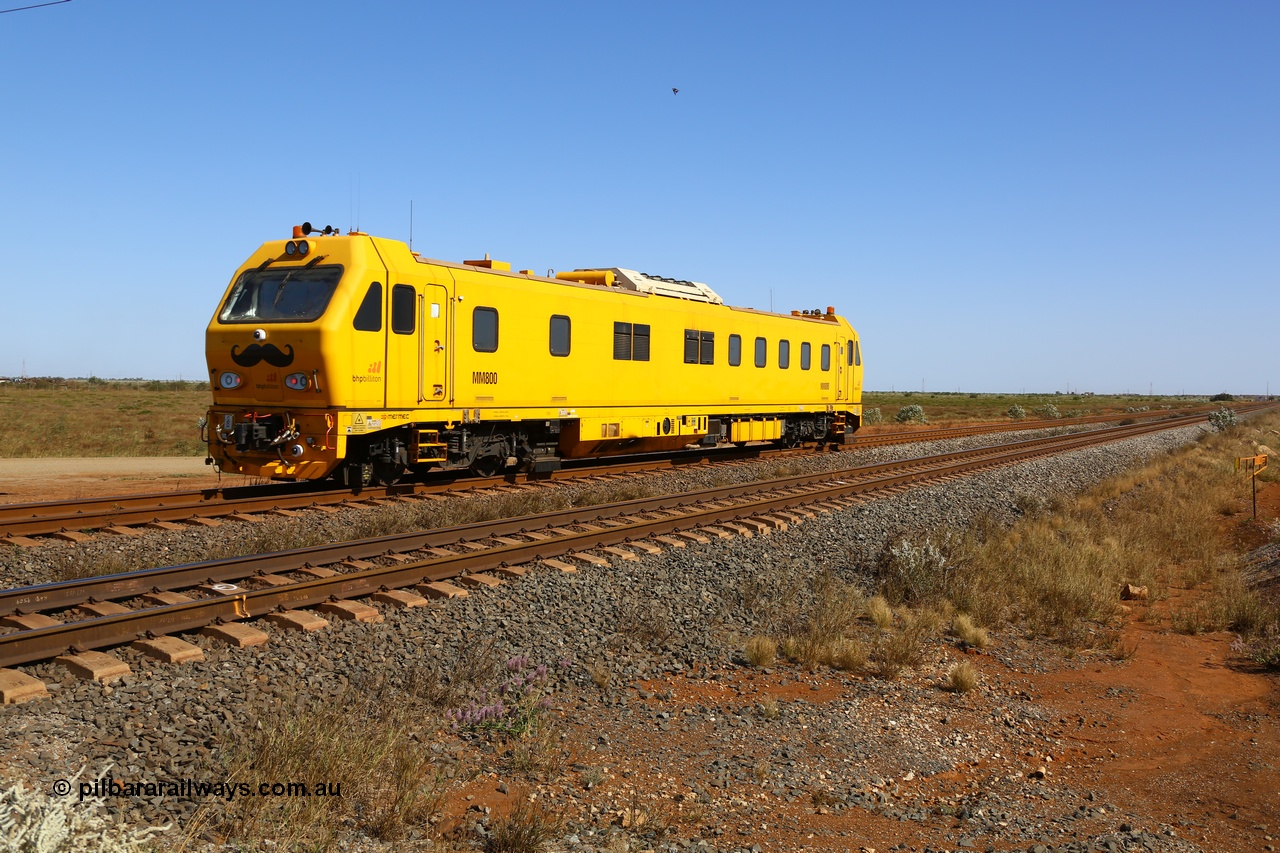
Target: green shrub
1016 412
916 572
1223 419
911 414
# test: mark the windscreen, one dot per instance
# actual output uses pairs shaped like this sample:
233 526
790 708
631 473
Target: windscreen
281 295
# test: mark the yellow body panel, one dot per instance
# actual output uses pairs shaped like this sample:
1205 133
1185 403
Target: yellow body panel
422 366
755 430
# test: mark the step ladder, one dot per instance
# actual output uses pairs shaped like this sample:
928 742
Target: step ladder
430 448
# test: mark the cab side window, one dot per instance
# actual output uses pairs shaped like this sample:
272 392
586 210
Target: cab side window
369 316
762 352
403 303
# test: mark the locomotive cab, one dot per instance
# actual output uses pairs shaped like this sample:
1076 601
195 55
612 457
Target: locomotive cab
281 354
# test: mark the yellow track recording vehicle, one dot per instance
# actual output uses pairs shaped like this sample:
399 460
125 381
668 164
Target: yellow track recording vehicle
351 356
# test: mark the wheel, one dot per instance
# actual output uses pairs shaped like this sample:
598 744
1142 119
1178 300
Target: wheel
486 466
387 473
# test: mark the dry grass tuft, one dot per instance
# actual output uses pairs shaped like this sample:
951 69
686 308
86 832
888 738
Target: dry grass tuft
879 611
600 674
1241 609
761 651
968 633
904 647
537 750
529 827
816 628
848 655
962 678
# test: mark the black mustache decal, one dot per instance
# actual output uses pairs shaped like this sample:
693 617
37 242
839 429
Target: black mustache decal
269 353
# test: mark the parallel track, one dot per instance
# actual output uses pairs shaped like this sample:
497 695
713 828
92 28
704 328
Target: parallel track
490 546
20 521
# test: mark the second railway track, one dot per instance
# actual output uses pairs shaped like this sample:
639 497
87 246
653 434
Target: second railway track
75 520
78 616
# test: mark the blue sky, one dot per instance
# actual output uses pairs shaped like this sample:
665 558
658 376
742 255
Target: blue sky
999 195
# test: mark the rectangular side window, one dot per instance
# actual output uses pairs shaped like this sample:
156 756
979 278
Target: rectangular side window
806 353
622 341
484 329
826 356
640 342
850 353
631 341
784 354
707 350
762 352
560 335
369 316
690 346
857 359
735 350
403 303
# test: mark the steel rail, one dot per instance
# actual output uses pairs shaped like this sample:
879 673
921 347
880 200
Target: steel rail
43 518
42 643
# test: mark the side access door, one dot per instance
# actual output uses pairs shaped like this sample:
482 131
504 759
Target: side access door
841 373
417 346
404 346
435 345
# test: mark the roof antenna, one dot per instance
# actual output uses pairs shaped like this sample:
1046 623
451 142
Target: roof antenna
410 225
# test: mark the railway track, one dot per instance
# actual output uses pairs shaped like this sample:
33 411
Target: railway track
77 617
73 520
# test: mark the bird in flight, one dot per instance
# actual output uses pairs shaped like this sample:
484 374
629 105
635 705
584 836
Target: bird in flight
675 91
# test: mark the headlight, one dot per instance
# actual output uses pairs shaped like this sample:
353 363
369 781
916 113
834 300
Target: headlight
230 380
296 381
